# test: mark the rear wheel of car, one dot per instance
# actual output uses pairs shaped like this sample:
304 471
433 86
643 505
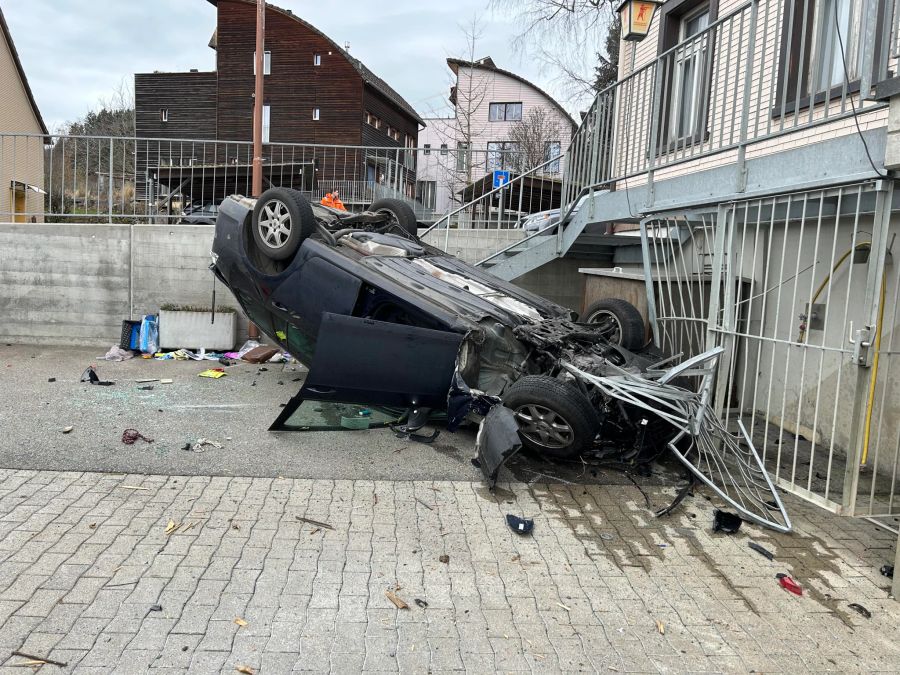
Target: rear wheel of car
400 211
282 219
620 322
555 419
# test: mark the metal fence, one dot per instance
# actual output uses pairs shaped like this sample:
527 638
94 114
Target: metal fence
801 291
764 69
112 179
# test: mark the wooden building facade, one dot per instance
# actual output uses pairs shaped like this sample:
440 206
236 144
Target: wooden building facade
315 93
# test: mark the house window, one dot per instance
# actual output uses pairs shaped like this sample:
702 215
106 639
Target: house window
462 156
505 112
393 133
444 150
426 149
813 63
266 122
425 193
552 151
267 63
373 121
317 59
502 155
689 46
316 114
163 114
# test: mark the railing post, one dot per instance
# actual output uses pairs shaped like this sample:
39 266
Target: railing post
867 65
657 112
109 187
745 108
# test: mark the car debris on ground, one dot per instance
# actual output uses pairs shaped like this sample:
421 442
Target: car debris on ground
384 319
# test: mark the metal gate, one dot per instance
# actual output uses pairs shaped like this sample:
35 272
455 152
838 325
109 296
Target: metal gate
793 287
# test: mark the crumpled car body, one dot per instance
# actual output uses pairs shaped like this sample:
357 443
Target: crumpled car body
381 318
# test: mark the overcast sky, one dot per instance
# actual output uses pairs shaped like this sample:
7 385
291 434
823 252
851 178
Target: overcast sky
76 52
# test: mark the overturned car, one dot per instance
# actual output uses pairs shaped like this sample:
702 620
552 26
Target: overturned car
381 318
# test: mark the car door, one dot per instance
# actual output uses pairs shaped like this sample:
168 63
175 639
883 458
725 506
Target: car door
379 363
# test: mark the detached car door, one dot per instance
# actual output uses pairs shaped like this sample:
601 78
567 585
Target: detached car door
378 363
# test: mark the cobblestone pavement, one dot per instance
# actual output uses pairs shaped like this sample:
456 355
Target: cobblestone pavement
89 576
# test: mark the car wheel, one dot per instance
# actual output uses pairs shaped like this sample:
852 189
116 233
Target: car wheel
621 323
400 211
282 219
555 419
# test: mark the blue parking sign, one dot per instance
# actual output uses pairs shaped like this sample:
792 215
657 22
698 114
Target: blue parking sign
501 178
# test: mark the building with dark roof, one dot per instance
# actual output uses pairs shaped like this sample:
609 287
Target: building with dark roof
315 93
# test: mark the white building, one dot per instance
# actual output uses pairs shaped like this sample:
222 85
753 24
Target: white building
489 103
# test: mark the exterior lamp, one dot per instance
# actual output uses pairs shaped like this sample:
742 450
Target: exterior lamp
636 16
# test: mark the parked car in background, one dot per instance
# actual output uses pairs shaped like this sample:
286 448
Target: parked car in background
536 222
200 214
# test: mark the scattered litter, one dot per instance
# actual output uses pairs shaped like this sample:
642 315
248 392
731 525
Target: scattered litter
424 504
200 445
39 659
682 493
259 354
607 536
67 430
246 670
421 603
729 523
568 609
51 379
170 527
661 627
133 487
149 387
859 609
116 353
789 584
214 373
90 375
131 436
166 381
146 380
155 608
401 431
240 622
887 571
761 550
316 523
519 525
397 600
444 559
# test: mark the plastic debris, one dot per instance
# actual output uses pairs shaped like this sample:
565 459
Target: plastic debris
116 353
859 609
39 659
726 522
131 436
214 373
67 430
761 550
887 571
166 381
246 670
789 584
51 379
315 523
396 599
149 387
444 558
519 525
661 627
240 622
90 375
155 608
200 445
421 603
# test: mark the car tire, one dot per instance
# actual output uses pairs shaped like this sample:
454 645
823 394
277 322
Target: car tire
624 321
400 211
555 419
282 220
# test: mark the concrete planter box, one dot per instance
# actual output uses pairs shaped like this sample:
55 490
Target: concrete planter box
193 330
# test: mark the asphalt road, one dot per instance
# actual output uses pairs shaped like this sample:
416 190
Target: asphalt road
230 410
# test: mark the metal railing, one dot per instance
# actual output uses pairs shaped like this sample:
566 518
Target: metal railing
116 179
765 69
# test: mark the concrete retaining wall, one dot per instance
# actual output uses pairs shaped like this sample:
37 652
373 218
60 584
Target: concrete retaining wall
69 283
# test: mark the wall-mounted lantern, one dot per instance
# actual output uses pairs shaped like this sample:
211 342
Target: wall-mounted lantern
636 16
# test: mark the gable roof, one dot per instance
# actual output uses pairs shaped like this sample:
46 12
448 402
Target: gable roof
487 63
367 75
15 56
